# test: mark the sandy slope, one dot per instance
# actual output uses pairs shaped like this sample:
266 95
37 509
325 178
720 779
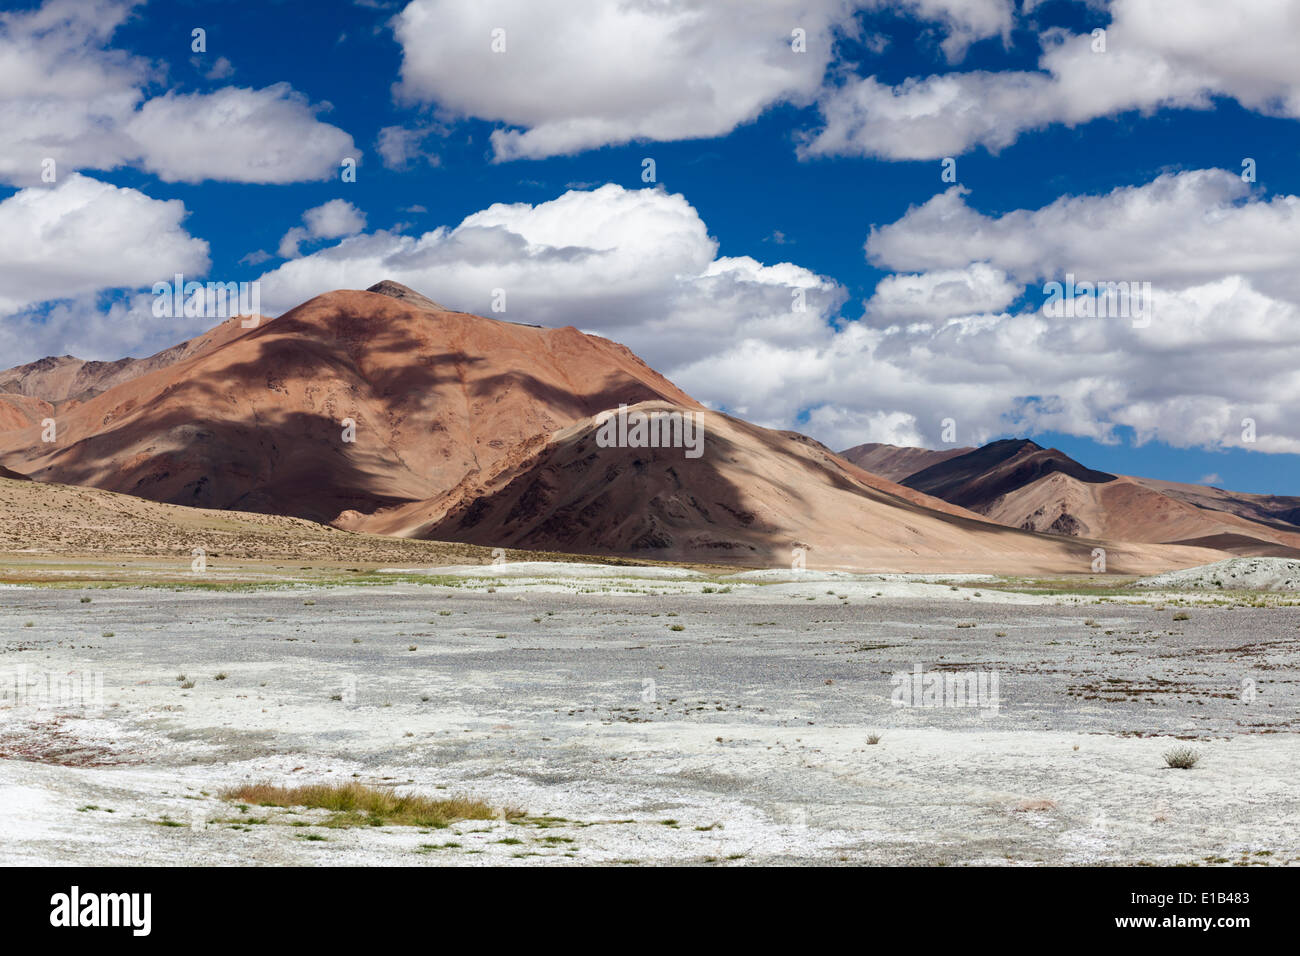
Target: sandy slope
1131 509
1023 485
752 497
1280 511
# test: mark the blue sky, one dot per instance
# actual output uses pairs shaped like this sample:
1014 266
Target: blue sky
775 172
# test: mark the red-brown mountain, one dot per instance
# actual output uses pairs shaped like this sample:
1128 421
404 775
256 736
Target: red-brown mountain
384 411
254 419
1021 484
750 498
896 462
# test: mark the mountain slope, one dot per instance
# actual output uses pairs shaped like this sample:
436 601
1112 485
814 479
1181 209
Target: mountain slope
999 468
22 411
1281 512
1020 484
254 420
59 379
751 497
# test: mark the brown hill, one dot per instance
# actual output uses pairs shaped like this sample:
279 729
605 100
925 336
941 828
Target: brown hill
252 419
752 496
897 462
58 379
1021 484
1281 512
979 477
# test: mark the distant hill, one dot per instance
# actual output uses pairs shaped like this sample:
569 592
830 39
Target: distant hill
1021 484
896 462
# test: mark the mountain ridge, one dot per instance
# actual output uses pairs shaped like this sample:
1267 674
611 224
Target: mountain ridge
1018 483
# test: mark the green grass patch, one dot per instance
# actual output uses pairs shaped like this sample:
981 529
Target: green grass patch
355 804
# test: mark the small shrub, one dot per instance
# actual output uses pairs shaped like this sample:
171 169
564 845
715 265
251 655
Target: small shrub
1182 616
1182 758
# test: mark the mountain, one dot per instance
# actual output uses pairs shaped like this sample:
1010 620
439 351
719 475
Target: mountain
896 462
381 411
1023 485
1280 511
253 419
750 497
980 477
58 380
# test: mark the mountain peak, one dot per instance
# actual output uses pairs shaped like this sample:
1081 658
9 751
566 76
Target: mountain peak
1015 445
395 290
975 480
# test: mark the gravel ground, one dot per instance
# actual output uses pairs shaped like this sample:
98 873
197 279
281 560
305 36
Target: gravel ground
662 722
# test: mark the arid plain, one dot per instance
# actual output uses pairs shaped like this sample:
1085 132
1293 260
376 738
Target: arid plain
652 715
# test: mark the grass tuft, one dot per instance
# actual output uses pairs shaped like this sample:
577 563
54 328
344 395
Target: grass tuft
355 804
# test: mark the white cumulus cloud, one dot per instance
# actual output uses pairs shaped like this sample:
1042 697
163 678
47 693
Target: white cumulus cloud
82 236
331 220
67 96
636 265
1158 54
570 75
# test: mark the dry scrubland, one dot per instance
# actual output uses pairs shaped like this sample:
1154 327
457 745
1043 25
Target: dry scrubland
549 714
65 534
